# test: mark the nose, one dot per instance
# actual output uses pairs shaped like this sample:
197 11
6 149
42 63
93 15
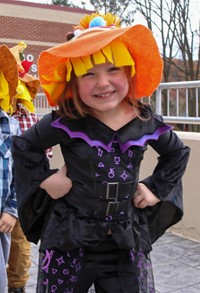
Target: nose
103 80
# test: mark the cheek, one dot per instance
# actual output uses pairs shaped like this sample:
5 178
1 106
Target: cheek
84 85
122 83
84 90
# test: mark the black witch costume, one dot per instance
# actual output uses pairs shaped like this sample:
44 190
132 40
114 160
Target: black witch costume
103 165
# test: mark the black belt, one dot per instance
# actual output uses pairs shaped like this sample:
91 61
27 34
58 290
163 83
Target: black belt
110 201
112 198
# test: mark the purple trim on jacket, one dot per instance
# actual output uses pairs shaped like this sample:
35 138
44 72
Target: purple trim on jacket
124 146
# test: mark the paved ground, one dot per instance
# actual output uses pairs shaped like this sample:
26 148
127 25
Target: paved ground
176 263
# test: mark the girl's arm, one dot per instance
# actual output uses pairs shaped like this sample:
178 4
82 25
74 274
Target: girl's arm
58 184
144 197
36 183
165 181
30 161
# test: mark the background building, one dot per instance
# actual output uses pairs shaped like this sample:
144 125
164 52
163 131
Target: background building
40 26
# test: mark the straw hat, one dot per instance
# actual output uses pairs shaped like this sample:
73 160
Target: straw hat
94 33
8 78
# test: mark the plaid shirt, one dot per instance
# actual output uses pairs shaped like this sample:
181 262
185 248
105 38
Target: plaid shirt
27 119
8 127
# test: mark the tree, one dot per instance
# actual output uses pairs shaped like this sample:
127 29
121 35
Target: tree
63 3
187 39
171 22
122 8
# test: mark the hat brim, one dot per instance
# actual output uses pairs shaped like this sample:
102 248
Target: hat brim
32 84
8 65
138 39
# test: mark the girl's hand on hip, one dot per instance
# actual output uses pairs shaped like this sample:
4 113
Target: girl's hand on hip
144 197
58 184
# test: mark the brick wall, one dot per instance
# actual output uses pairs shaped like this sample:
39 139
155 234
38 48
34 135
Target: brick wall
40 26
30 30
34 30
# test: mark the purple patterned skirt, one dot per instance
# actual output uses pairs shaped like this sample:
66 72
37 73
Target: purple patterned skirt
108 268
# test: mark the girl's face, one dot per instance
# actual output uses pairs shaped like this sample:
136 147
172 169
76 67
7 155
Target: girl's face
103 87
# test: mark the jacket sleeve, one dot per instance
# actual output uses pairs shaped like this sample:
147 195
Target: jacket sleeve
31 167
166 183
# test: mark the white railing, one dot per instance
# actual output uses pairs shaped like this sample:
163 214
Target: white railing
177 102
41 105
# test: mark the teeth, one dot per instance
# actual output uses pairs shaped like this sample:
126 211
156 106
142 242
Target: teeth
104 95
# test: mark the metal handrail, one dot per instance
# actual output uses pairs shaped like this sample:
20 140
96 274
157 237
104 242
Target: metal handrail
177 102
189 98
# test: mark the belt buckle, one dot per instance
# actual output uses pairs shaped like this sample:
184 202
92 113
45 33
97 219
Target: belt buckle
112 207
112 186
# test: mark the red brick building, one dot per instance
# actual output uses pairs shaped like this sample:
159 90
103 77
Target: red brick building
40 26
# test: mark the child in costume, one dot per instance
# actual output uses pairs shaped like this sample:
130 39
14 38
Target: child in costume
95 221
8 127
24 112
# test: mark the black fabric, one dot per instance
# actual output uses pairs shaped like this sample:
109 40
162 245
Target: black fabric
72 221
34 204
36 212
109 268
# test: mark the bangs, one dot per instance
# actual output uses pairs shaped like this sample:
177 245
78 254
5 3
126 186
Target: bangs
115 52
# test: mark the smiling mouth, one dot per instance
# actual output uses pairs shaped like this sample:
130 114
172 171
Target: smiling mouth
105 95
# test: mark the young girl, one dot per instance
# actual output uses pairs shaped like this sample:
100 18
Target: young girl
95 221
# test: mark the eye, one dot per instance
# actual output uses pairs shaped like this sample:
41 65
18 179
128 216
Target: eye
88 74
112 69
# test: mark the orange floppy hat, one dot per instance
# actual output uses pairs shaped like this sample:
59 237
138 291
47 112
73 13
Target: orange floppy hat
32 83
53 64
8 78
28 85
